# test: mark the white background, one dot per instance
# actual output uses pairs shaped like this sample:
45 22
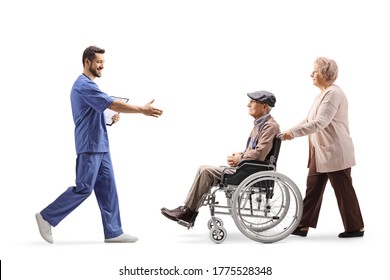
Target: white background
197 59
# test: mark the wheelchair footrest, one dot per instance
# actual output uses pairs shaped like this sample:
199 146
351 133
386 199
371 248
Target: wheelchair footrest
185 224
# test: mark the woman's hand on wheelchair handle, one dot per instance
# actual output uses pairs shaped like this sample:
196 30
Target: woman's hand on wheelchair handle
287 135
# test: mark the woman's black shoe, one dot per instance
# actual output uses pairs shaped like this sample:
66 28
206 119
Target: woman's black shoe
347 234
300 231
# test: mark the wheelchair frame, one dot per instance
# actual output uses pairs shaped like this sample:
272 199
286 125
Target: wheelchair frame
266 205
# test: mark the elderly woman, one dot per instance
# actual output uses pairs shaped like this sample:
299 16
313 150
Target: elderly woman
331 153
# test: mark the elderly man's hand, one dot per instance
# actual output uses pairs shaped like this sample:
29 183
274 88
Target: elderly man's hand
234 159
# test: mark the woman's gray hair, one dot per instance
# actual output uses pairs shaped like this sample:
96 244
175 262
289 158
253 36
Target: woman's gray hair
328 69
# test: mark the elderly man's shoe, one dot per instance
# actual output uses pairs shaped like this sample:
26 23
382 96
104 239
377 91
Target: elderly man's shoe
347 234
172 214
188 216
44 228
123 238
181 213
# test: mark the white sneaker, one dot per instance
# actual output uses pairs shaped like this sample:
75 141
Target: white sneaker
44 228
123 238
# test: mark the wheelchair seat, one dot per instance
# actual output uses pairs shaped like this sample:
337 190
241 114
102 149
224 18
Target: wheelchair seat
249 167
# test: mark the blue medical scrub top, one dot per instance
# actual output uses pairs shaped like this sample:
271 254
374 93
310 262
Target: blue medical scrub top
88 105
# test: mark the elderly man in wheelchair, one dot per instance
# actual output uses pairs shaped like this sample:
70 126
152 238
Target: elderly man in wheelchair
257 197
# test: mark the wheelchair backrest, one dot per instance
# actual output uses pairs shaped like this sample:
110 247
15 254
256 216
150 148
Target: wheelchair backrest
273 155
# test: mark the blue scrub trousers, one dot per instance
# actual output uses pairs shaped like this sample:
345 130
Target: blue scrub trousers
94 172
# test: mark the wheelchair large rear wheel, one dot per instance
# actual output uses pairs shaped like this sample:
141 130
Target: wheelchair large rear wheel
267 206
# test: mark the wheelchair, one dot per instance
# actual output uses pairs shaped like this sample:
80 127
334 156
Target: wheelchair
265 205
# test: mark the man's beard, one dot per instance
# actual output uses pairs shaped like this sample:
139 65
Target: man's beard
94 72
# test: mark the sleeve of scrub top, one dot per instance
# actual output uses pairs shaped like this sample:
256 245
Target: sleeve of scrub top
95 98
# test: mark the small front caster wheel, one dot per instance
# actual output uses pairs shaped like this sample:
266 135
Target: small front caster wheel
218 235
210 223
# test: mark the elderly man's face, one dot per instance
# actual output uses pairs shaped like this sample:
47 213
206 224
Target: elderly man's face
257 109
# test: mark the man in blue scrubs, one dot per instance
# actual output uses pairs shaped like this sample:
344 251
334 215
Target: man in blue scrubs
94 170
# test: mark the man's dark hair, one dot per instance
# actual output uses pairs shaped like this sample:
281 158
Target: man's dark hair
90 53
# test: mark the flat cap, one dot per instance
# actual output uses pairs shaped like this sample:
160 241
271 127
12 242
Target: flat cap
263 96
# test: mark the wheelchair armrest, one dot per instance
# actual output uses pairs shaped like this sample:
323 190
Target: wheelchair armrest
244 169
228 168
252 162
